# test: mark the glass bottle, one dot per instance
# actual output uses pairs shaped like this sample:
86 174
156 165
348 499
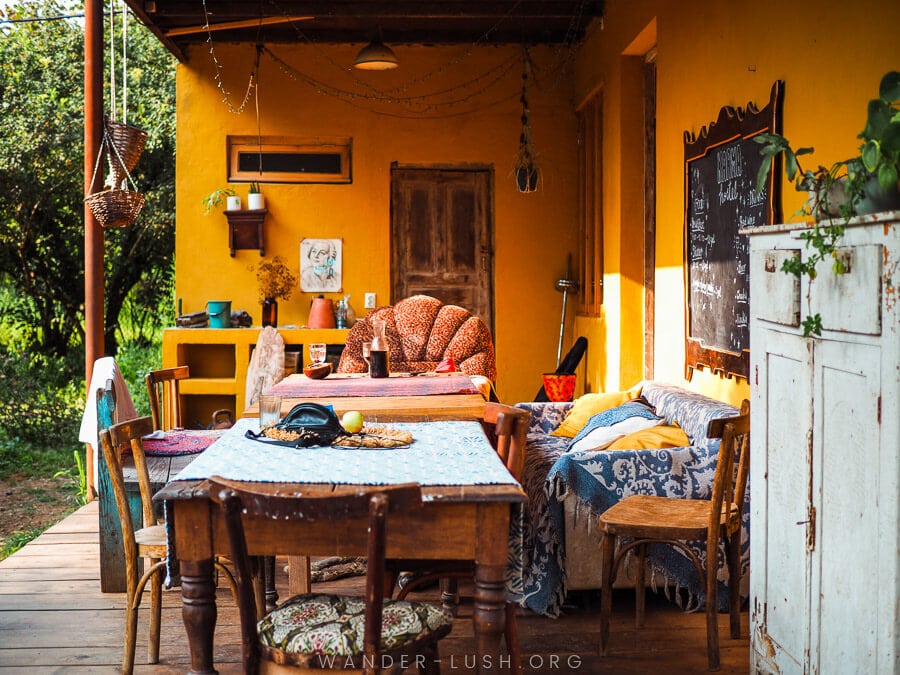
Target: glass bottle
379 354
340 314
270 312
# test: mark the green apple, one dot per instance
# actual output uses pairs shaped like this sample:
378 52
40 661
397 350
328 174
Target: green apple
352 421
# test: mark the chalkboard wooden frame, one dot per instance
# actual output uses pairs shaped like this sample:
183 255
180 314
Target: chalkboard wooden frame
720 167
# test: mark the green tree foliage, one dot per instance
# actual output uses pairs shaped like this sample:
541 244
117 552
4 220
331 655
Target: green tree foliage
42 182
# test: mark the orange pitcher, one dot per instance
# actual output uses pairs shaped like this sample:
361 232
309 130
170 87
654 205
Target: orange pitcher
321 313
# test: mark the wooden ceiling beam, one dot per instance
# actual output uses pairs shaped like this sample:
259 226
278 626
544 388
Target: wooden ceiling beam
233 25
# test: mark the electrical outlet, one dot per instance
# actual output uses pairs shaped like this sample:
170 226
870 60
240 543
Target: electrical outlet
370 301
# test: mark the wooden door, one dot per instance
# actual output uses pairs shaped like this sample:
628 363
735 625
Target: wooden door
442 237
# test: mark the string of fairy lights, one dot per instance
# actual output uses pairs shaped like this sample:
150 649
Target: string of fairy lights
448 101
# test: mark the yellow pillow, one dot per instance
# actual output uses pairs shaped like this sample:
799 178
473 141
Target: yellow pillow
661 436
588 405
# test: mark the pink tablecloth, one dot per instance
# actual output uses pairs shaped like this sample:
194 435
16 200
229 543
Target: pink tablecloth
300 386
180 442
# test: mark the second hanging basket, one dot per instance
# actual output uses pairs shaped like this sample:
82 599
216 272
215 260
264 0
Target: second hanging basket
115 207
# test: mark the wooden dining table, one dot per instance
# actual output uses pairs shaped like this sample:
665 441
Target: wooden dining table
467 490
401 397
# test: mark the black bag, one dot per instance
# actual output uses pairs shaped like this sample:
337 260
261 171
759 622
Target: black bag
315 424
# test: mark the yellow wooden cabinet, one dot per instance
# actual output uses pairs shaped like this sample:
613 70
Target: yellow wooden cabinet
218 359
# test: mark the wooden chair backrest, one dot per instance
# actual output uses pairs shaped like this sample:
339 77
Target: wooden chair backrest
507 428
372 505
114 441
730 484
165 404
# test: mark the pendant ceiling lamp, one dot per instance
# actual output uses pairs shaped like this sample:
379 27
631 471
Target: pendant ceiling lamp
376 56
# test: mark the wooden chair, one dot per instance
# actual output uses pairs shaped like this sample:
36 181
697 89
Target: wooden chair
506 428
291 636
147 542
644 519
165 400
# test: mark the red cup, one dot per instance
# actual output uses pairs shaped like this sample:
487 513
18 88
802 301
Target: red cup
559 387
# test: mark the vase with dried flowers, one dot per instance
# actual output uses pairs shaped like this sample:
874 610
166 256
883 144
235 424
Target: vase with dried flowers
275 281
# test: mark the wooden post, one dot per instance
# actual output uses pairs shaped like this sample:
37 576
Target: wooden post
93 234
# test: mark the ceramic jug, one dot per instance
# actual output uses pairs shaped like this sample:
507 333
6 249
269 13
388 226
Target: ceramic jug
321 313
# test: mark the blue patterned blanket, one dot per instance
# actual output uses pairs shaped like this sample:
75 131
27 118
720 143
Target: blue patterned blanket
599 480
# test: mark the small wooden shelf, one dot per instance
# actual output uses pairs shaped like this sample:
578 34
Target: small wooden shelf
219 359
245 230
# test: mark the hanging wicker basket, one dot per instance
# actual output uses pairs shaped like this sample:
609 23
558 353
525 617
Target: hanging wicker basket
126 144
115 208
118 206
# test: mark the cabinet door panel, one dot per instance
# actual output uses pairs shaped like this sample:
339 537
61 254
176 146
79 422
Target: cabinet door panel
846 449
779 495
850 302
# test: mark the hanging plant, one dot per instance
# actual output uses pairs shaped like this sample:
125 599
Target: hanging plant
526 171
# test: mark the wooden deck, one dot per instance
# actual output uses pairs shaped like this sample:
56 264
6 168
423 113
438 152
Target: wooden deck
54 619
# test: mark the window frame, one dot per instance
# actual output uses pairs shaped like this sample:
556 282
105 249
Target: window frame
590 204
236 145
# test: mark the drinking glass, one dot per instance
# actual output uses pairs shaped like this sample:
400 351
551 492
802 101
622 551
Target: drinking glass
269 410
366 350
317 352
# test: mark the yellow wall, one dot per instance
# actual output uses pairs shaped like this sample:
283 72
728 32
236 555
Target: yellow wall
533 232
710 54
831 57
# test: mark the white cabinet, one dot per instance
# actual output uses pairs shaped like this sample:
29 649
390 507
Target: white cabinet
825 456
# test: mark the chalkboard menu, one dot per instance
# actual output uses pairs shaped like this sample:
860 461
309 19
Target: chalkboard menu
720 181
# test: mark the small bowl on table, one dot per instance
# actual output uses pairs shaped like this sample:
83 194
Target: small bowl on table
316 371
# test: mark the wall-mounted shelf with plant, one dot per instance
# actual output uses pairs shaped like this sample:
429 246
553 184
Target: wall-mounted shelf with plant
868 182
221 196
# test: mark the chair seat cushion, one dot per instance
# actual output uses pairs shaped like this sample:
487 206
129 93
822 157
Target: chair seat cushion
334 624
155 535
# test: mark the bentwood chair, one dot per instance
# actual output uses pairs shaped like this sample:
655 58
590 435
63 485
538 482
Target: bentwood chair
165 400
506 428
146 542
320 631
643 519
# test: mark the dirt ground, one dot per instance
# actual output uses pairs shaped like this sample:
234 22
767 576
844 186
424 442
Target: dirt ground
33 502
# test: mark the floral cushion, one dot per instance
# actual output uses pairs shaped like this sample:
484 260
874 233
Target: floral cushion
421 331
334 624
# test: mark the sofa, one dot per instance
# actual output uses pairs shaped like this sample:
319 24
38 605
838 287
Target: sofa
421 331
559 547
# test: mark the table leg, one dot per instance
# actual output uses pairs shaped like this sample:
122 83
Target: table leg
298 575
489 618
198 611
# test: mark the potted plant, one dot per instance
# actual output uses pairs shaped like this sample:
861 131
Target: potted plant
215 198
275 281
865 183
255 199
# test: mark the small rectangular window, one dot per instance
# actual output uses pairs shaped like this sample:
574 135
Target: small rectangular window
282 160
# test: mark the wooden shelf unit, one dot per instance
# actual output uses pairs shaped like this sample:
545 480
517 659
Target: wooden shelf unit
219 359
245 230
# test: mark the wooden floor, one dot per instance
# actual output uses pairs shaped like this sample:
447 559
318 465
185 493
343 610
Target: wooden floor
54 619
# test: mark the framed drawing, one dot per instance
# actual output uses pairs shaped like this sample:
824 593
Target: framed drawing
720 167
320 265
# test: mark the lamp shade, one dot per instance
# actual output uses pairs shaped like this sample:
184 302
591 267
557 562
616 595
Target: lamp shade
376 56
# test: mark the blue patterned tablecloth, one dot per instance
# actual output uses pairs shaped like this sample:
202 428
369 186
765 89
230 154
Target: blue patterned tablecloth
442 453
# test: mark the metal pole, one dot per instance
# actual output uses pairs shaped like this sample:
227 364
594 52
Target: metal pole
93 233
565 285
